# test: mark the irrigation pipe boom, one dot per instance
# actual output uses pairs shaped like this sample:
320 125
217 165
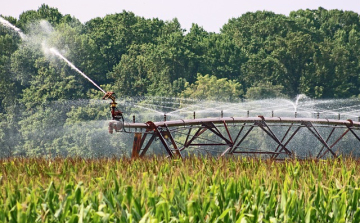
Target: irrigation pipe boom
228 135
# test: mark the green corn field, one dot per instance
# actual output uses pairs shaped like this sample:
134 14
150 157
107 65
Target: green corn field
191 190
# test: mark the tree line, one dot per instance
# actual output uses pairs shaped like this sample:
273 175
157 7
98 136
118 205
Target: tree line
257 55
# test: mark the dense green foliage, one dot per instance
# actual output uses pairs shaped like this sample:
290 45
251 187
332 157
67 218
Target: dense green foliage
192 190
257 55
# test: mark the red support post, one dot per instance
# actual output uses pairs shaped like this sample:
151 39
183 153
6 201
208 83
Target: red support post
136 145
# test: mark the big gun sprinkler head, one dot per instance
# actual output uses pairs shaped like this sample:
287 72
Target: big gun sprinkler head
115 112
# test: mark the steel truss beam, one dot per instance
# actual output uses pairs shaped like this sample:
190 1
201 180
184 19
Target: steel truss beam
163 132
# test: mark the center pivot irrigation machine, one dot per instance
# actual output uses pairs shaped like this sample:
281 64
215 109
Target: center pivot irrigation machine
275 137
271 137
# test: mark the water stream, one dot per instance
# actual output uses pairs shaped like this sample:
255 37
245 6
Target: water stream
9 25
56 52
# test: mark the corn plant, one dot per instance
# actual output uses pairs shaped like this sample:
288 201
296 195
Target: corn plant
191 190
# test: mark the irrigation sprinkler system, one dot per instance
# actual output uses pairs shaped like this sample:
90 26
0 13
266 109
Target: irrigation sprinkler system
274 137
228 135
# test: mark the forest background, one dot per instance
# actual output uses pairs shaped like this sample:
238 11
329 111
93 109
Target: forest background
44 103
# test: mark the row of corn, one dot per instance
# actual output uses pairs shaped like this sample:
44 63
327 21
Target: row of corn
190 190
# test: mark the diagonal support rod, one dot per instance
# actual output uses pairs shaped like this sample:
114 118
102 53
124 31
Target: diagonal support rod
283 138
200 131
233 149
153 127
287 142
326 151
327 141
211 127
352 131
313 130
142 154
262 124
168 134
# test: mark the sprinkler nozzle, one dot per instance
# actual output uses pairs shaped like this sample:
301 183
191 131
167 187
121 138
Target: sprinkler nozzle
115 112
109 95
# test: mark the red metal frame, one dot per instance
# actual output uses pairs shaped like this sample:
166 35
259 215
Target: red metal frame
219 131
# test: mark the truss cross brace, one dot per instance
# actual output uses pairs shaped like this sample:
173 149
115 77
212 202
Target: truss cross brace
313 130
262 124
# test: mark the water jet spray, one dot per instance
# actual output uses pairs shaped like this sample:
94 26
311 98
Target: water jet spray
9 25
115 112
57 53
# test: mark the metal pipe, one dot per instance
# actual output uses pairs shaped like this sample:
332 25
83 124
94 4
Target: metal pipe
199 121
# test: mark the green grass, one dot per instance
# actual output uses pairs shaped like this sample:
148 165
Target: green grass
192 190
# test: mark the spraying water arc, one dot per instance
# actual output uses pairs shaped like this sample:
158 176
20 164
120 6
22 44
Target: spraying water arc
52 50
9 25
57 53
115 112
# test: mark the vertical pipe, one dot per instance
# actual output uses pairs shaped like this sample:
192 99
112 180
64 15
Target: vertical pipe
295 114
248 114
272 113
133 118
339 116
222 114
136 146
164 117
194 114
